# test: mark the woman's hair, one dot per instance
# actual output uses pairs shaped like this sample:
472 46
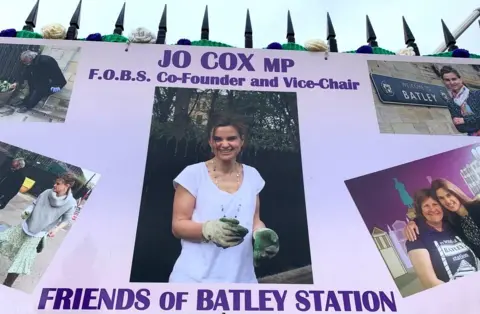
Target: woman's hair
452 188
220 119
464 199
20 161
448 69
420 197
68 178
28 54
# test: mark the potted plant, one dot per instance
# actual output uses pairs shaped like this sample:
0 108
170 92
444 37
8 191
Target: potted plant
6 91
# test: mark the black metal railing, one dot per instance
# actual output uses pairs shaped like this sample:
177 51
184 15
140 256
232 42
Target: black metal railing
371 38
11 69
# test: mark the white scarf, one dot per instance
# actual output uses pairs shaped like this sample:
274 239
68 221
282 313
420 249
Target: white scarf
461 98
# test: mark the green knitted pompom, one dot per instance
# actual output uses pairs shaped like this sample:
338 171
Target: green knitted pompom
115 38
376 51
29 34
293 46
447 54
209 43
381 51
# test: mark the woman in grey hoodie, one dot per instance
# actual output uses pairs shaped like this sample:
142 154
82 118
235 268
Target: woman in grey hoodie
49 213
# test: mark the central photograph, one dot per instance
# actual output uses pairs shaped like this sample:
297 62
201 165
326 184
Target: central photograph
223 196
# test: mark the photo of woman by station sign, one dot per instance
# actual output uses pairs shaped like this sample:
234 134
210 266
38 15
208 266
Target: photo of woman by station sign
426 98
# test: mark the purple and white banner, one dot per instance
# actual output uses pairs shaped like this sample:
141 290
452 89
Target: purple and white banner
154 178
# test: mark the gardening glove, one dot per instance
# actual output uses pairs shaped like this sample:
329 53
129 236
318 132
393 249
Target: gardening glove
266 245
55 89
224 232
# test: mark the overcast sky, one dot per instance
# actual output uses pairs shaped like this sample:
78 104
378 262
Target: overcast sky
269 19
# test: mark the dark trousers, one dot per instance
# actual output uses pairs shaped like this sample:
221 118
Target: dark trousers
34 98
10 280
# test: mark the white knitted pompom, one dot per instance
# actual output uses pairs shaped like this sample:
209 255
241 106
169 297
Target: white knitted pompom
408 51
54 31
141 35
316 45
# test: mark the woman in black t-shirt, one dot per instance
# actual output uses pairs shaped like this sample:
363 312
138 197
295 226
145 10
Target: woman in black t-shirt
462 212
438 255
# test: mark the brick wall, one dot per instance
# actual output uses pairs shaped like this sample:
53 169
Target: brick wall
404 119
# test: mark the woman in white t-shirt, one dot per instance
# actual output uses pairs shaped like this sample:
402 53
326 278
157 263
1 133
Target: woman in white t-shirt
216 213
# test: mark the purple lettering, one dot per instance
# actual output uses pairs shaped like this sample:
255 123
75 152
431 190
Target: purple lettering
332 302
303 304
246 62
204 60
88 297
125 75
45 297
204 300
125 299
181 299
93 73
167 301
109 74
179 59
285 64
328 301
143 302
226 61
62 299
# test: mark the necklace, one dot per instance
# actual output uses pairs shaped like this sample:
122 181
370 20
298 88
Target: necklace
215 175
215 179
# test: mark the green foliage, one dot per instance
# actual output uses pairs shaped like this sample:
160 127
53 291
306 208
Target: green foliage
5 86
271 117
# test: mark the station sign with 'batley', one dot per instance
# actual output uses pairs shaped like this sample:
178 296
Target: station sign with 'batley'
391 90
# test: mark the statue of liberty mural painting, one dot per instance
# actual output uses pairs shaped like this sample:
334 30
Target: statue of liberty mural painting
402 191
406 198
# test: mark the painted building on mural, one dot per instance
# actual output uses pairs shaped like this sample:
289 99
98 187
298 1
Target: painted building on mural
389 253
395 231
471 172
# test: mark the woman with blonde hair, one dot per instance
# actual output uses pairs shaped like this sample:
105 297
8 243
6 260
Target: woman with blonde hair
49 213
461 211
